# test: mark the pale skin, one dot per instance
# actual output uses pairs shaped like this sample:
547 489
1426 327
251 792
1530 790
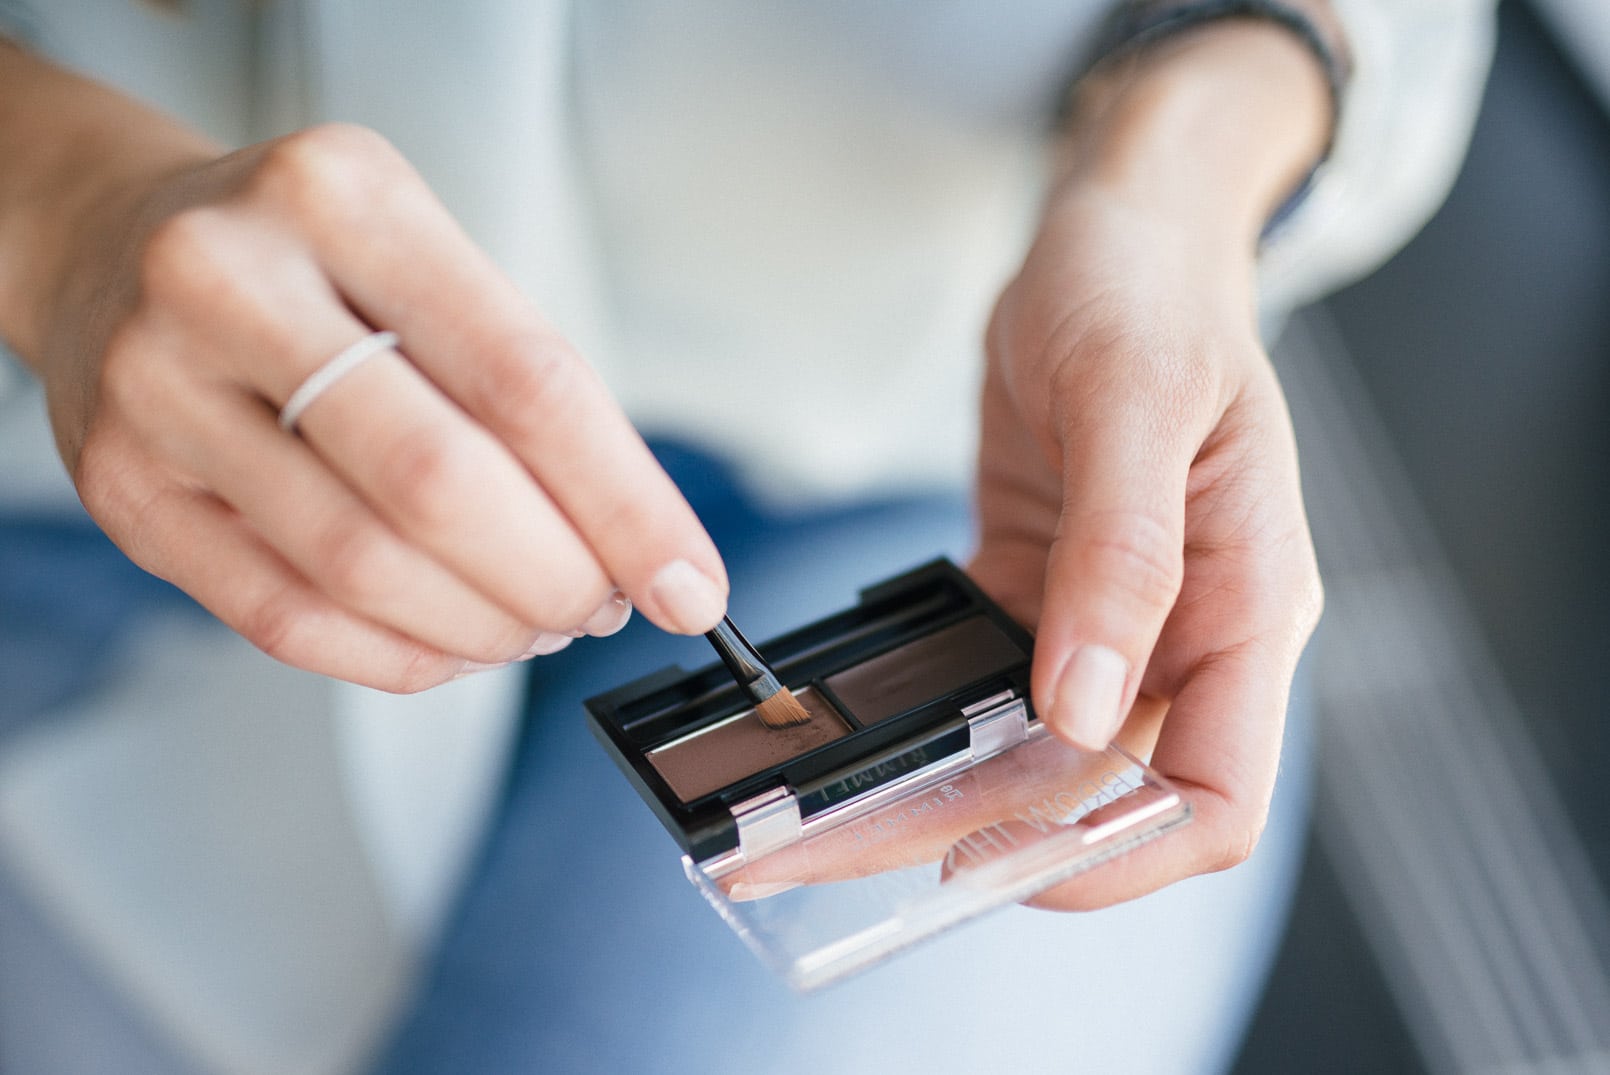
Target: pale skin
482 499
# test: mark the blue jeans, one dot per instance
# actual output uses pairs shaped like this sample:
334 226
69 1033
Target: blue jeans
580 947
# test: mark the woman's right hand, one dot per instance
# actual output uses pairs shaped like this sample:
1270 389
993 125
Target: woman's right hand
469 499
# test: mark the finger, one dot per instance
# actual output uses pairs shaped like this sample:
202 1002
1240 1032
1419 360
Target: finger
249 298
333 539
449 486
997 793
1220 746
1017 497
402 262
1115 568
196 542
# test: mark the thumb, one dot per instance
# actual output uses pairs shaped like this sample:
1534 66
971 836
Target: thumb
1115 565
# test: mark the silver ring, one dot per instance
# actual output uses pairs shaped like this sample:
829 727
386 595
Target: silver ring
319 381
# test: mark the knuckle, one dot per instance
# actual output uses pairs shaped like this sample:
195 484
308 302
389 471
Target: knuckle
1138 555
531 376
331 169
422 476
343 141
274 625
145 382
182 253
326 153
622 513
353 561
198 273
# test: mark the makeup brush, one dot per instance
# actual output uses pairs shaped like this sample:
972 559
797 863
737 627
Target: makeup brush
776 704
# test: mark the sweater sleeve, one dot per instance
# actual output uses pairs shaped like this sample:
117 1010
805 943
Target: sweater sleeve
1418 67
18 21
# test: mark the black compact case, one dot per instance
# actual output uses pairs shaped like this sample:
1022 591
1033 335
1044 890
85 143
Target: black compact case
921 792
905 671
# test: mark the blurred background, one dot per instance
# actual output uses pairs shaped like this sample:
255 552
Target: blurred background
1454 410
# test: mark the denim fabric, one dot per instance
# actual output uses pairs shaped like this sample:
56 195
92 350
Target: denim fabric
580 947
18 21
66 595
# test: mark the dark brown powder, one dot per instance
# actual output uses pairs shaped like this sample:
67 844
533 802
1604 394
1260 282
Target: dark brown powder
725 753
928 668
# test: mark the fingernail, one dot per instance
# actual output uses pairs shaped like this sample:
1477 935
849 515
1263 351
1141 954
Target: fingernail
610 617
547 642
687 597
744 891
1088 697
472 667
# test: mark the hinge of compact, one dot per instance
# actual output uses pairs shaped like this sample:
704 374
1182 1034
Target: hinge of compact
767 822
998 723
771 820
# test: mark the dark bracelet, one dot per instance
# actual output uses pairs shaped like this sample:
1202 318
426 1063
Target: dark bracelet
1139 23
18 23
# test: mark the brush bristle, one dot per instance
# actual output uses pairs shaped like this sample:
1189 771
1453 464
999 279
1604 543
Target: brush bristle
782 710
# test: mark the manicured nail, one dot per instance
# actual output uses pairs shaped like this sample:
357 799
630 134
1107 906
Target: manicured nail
610 617
687 597
547 642
1088 697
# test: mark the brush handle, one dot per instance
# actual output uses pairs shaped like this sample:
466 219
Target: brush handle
751 671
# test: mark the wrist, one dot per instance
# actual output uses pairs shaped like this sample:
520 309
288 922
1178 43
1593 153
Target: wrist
76 163
1208 131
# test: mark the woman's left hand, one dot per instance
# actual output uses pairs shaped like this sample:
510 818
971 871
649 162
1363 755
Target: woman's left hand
1138 485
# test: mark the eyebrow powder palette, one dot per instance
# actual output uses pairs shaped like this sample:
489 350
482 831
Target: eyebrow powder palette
711 758
922 791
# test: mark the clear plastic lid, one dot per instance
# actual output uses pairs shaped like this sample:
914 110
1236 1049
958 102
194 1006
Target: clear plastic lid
943 845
